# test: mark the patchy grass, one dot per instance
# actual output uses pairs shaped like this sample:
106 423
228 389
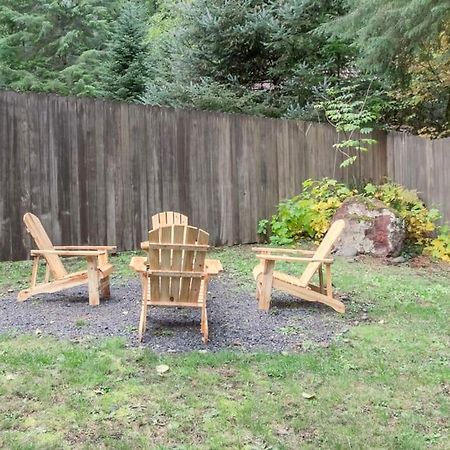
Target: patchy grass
80 323
384 384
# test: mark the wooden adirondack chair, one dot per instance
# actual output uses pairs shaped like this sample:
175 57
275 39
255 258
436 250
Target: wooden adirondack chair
168 218
57 278
175 274
266 278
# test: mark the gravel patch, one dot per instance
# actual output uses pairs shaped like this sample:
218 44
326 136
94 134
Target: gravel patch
234 320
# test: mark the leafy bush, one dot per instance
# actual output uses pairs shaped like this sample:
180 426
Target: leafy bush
440 246
309 214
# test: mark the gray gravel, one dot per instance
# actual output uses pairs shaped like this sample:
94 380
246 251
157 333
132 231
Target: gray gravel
234 320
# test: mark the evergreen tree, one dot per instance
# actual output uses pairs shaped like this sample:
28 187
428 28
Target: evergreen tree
407 42
391 34
309 61
263 51
55 46
226 40
127 68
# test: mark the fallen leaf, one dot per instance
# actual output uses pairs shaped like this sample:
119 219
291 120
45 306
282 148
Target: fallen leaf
281 431
308 396
162 369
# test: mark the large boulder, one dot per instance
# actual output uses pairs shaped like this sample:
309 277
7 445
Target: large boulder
372 228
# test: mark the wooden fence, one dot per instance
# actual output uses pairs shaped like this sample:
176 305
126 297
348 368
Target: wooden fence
95 171
424 165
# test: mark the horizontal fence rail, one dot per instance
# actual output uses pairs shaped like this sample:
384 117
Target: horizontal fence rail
95 171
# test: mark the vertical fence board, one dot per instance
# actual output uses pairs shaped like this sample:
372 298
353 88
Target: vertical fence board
5 151
90 142
23 186
100 175
110 138
73 180
82 125
234 149
153 168
11 201
57 156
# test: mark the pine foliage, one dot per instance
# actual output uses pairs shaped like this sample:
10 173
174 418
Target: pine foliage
127 68
407 42
54 46
260 50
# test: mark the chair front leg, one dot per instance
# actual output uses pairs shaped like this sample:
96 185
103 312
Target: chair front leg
204 319
145 280
266 284
204 324
93 280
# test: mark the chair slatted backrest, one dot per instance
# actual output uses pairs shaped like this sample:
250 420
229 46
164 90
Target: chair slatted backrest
176 256
323 250
168 218
43 242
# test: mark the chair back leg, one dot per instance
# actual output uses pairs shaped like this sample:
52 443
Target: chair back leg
105 290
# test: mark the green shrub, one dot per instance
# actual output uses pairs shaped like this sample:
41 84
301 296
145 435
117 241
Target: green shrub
309 214
440 246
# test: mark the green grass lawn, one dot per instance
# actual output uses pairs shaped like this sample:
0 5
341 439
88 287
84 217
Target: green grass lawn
383 385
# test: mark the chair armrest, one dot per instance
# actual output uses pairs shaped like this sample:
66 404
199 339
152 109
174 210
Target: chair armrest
213 266
294 259
138 264
283 250
111 248
68 252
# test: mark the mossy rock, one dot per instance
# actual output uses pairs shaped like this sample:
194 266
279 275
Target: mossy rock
372 228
